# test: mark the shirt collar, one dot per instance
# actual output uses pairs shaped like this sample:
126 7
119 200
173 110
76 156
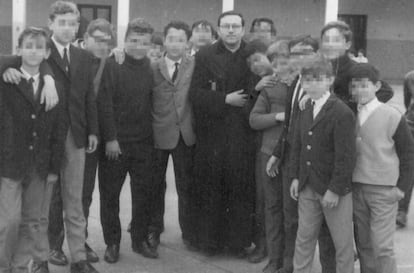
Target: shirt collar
60 47
28 76
370 106
322 100
171 63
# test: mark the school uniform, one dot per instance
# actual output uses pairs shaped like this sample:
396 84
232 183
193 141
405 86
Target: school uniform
173 135
385 161
31 147
124 103
323 158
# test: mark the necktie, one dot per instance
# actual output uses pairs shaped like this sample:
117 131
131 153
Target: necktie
31 87
66 59
175 73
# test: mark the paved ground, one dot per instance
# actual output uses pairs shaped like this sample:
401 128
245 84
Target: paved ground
174 258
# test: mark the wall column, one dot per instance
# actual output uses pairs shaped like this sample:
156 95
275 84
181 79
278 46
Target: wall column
331 10
228 5
18 21
123 19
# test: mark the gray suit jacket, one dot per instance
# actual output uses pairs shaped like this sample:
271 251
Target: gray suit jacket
172 111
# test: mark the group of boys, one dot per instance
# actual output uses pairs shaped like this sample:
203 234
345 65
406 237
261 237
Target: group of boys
65 110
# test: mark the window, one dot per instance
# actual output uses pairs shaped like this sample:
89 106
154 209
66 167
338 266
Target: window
358 25
89 13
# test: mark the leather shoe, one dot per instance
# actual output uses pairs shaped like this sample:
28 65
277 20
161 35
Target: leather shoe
57 257
91 255
145 250
111 254
40 267
153 239
82 267
258 254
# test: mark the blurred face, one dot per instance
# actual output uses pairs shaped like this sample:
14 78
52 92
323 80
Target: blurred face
231 30
316 85
300 54
282 65
98 43
201 36
33 51
175 43
334 44
260 64
262 31
64 27
363 90
154 53
137 45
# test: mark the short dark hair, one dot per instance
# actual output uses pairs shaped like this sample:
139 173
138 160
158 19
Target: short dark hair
205 24
229 13
255 46
341 26
35 33
139 25
278 49
157 40
258 21
178 25
63 7
100 24
305 40
318 65
364 70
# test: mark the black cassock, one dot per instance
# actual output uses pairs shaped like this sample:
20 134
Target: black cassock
225 149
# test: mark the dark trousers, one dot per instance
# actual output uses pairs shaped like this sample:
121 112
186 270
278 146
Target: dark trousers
260 211
56 229
136 160
184 180
404 203
290 214
273 210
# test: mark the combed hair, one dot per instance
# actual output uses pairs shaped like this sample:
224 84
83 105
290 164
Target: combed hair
178 25
258 21
63 7
304 40
341 26
33 32
229 13
102 25
205 24
317 65
139 25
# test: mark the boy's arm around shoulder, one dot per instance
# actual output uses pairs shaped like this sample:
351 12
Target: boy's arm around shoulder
404 146
59 131
344 150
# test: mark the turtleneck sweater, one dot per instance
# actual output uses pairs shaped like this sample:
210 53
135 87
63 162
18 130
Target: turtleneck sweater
124 100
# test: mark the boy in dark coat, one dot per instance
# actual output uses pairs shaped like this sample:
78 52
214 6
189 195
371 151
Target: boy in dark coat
31 148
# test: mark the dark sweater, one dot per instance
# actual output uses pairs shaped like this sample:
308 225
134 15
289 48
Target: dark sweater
124 100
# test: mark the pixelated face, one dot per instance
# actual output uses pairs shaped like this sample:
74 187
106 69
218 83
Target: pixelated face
98 43
300 54
260 64
33 51
64 27
175 43
231 29
154 53
262 31
316 85
137 44
363 90
281 64
334 44
202 36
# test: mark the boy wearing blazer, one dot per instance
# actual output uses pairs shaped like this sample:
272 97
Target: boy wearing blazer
31 148
323 158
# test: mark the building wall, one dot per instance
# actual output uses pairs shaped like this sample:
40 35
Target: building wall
6 9
390 33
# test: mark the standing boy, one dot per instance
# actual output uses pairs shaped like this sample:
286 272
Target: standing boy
173 130
321 169
31 148
384 170
124 103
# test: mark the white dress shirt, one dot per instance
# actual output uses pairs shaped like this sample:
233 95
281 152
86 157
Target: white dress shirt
364 111
319 103
171 65
36 79
298 88
60 48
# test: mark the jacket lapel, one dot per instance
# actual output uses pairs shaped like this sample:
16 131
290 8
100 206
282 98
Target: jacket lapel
73 59
182 69
55 56
26 91
164 70
323 112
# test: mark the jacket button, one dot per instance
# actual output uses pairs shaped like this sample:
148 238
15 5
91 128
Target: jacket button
308 147
31 147
310 133
33 116
308 163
